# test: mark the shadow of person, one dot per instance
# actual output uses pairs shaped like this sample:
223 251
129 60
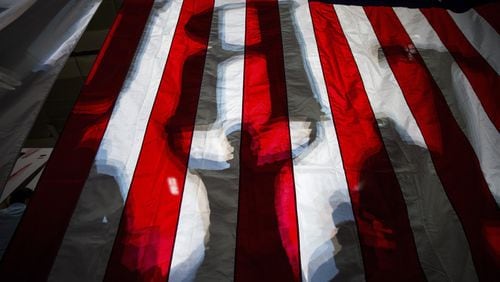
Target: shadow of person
393 225
435 226
221 175
347 252
345 263
382 221
90 235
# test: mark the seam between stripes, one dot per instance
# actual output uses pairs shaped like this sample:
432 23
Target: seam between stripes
191 142
418 125
290 161
335 128
140 153
385 149
463 66
433 162
290 146
432 158
241 142
424 65
107 123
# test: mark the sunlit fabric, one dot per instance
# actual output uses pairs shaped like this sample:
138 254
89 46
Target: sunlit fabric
221 140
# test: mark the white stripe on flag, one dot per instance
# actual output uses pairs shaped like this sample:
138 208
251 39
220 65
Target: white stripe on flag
459 94
480 34
206 235
192 230
427 203
206 232
121 144
99 207
320 182
383 91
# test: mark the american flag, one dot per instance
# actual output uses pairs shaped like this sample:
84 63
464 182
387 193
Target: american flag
270 140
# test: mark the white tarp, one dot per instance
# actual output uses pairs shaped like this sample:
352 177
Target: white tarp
27 168
36 38
13 9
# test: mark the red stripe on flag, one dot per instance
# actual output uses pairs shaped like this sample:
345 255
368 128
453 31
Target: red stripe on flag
33 249
490 13
483 78
453 157
267 244
144 244
388 247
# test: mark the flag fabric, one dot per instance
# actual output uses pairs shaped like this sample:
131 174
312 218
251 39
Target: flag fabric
267 140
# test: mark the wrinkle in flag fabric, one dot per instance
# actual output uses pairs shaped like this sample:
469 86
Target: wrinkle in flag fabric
222 140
